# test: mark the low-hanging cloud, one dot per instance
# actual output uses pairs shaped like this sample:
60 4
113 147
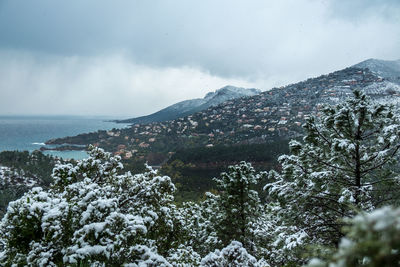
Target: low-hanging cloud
77 52
96 85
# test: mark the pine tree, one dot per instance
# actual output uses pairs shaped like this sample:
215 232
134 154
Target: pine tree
345 163
238 205
199 221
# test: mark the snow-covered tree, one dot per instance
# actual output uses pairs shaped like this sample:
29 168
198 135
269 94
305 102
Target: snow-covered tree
345 163
278 243
373 240
199 222
92 215
230 215
184 256
232 255
238 205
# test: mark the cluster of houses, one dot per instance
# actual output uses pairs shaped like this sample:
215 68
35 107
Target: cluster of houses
278 113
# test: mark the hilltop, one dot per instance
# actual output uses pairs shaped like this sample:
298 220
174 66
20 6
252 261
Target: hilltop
188 107
388 69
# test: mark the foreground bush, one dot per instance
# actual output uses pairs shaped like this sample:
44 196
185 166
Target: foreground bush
372 240
92 215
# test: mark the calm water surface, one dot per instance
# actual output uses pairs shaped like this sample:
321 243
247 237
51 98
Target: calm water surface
30 132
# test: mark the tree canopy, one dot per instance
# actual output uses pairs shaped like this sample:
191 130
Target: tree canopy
345 164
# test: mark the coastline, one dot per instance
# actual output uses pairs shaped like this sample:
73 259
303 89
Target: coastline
30 133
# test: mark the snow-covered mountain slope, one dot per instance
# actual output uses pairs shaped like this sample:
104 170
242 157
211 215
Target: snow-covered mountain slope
387 69
228 93
191 106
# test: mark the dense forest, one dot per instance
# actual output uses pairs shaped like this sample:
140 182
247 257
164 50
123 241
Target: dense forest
330 201
192 169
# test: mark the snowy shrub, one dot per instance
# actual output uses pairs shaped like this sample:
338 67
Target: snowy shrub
373 239
21 229
184 256
13 184
232 255
231 215
280 244
92 215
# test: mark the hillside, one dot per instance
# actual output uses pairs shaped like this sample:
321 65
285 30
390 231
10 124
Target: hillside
390 70
191 106
271 115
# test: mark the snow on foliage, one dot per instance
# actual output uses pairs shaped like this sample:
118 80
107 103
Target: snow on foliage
13 184
232 255
95 215
91 214
232 214
184 256
372 240
342 165
199 222
239 205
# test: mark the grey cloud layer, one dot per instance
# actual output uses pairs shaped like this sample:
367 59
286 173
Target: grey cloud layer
110 85
226 37
134 49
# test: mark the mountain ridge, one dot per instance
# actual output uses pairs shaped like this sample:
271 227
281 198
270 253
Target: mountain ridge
269 116
190 106
388 69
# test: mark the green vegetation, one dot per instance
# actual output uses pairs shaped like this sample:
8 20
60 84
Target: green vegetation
333 197
192 169
33 164
264 153
20 171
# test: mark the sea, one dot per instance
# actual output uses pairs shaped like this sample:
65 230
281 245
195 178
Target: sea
30 132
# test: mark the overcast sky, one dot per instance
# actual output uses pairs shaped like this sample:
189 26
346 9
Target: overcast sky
130 58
